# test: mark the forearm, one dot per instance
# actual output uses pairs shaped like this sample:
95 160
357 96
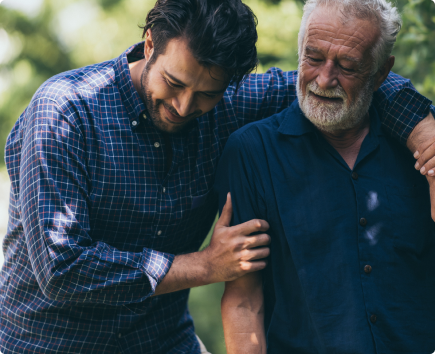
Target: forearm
423 135
243 316
187 271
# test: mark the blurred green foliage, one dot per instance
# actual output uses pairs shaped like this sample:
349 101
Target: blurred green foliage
68 34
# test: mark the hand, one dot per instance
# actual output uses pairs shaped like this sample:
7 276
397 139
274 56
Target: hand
422 143
232 252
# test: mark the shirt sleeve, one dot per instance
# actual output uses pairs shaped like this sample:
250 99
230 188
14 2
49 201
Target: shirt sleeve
236 173
399 105
54 197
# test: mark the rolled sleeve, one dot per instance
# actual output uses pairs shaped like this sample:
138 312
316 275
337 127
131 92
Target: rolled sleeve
156 265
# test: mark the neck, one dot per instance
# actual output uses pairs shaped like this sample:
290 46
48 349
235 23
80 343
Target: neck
348 142
136 69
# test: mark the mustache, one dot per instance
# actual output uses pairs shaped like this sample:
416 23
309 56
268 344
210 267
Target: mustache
336 92
171 109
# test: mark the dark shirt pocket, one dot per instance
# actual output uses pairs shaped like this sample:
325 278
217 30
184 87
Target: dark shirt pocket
410 218
199 200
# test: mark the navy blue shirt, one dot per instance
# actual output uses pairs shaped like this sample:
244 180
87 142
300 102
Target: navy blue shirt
353 255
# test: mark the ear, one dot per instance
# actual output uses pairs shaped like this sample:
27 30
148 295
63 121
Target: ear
383 72
149 45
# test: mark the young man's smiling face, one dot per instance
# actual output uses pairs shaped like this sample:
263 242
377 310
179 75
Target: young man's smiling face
175 87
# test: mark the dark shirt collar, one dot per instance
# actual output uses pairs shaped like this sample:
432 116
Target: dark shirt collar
296 124
131 99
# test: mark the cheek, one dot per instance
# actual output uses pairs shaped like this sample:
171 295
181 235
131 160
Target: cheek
206 105
351 88
159 89
307 74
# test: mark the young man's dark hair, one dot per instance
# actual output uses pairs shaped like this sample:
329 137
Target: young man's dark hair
218 32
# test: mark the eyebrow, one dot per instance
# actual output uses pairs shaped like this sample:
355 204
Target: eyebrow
183 84
345 57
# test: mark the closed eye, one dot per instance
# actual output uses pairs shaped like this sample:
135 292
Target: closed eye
316 60
171 84
208 95
349 70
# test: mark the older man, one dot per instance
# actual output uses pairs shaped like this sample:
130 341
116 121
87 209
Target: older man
353 244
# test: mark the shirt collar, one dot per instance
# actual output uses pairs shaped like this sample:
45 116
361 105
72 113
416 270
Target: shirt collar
133 104
296 124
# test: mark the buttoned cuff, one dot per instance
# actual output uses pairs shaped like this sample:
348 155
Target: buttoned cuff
156 264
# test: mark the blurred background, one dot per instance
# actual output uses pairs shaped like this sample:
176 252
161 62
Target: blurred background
41 38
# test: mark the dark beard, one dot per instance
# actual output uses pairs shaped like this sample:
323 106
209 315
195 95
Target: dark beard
153 108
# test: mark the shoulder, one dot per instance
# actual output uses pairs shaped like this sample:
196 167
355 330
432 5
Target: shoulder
79 83
272 77
253 136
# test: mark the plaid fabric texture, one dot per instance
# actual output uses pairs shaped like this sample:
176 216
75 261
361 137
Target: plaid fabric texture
94 220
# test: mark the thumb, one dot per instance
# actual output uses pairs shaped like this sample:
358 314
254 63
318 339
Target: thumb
227 213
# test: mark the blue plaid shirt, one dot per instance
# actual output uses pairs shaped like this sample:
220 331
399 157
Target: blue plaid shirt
95 220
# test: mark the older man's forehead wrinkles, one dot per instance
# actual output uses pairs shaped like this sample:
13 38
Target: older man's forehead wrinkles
324 29
322 43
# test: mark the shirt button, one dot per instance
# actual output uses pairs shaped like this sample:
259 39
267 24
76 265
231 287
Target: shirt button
373 318
159 232
164 189
363 221
119 335
355 176
134 123
157 144
368 269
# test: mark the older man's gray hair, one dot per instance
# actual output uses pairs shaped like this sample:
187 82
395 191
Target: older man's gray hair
380 11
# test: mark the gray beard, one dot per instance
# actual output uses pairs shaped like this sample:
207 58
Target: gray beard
333 117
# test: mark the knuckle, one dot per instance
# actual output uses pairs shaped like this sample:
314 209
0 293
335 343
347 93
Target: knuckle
244 255
257 223
245 266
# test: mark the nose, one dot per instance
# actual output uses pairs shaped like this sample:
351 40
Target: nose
328 75
184 103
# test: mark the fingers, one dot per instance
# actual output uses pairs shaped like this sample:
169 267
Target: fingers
426 160
255 254
256 241
227 213
251 226
254 266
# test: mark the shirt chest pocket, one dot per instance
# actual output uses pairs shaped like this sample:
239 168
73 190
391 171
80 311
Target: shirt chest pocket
410 218
198 201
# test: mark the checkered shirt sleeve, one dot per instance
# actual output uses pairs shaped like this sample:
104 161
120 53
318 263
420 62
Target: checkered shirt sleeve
69 265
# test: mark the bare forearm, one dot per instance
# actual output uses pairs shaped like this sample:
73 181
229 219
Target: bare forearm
187 271
243 317
422 136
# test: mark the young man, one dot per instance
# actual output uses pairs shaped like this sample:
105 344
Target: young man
112 167
353 242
